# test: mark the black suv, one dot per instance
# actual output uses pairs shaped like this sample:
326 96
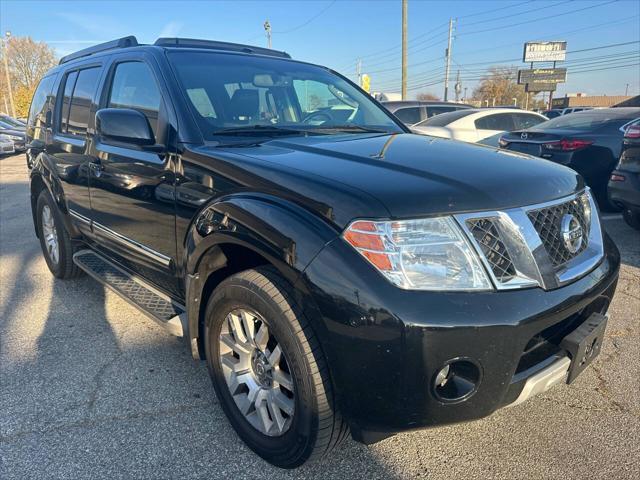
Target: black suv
338 274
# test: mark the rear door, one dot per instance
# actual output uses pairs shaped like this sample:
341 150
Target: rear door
132 187
67 150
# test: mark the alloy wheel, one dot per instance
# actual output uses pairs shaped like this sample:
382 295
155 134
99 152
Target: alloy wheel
256 372
50 235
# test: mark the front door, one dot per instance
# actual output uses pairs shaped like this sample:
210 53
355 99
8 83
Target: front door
132 187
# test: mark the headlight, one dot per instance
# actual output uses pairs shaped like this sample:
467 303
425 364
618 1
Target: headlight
4 137
426 254
14 137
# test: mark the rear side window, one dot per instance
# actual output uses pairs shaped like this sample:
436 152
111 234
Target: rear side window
444 119
499 121
134 86
408 115
524 120
79 89
39 100
69 83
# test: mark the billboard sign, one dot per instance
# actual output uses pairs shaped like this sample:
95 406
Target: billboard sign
542 75
540 87
544 52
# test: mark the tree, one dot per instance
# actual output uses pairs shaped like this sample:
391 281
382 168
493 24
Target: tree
500 87
426 97
28 61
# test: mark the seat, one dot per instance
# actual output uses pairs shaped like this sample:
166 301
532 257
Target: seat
244 105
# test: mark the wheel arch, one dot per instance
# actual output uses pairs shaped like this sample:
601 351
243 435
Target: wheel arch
240 232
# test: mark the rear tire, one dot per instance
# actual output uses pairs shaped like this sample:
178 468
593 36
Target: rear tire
315 425
54 239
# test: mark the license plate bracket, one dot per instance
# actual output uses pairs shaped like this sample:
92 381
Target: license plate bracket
584 344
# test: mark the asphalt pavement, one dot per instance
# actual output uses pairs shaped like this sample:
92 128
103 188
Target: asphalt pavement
90 388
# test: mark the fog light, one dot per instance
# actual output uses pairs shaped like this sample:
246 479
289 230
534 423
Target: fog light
456 381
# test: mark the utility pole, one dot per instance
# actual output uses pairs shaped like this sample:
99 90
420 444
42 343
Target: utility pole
626 90
457 87
6 71
404 49
448 62
465 94
267 28
359 72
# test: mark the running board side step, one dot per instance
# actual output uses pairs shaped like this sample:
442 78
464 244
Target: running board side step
157 306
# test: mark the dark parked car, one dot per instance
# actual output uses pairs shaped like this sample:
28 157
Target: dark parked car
337 277
17 135
556 112
624 185
589 142
411 112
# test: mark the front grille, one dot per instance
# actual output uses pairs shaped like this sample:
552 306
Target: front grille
486 234
547 222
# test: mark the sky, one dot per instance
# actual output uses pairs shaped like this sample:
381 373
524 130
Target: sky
337 33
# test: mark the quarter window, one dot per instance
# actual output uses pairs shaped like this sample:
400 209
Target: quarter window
134 86
69 83
40 99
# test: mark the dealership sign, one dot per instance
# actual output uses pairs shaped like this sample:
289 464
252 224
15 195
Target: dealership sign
544 52
542 75
540 87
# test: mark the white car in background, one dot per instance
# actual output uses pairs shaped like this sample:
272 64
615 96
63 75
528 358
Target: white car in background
6 145
478 125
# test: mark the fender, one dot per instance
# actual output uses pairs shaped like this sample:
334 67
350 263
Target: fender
277 231
43 171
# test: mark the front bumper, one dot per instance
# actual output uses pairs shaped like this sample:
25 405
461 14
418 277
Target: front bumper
385 345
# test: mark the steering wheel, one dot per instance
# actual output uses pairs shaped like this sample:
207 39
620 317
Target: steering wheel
317 116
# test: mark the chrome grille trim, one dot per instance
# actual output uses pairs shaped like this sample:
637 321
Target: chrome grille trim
533 262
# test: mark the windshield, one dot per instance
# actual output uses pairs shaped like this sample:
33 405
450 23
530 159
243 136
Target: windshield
235 94
445 119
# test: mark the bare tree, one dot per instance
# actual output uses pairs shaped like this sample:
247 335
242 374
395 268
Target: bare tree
500 87
28 60
427 96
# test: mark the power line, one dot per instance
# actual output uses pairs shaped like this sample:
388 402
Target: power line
304 24
537 9
501 9
546 17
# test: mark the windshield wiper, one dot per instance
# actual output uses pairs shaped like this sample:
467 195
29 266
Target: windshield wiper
259 130
349 128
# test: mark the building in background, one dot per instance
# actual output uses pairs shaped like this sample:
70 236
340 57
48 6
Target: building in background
582 100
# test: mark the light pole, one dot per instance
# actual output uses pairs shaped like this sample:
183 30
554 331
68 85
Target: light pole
267 28
6 71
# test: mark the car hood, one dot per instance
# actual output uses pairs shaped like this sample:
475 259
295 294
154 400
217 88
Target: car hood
398 175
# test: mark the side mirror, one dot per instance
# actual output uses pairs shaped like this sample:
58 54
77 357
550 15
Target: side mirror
124 125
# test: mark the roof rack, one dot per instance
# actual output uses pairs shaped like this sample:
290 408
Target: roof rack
123 42
214 45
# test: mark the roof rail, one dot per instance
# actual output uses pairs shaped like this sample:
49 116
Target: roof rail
215 45
123 42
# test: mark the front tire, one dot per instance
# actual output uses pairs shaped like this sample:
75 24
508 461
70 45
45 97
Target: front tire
54 239
268 370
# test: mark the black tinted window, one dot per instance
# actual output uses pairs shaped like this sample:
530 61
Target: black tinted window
134 86
525 120
499 121
408 115
80 106
40 99
433 111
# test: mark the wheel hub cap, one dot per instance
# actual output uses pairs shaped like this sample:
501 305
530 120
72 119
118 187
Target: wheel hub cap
256 372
